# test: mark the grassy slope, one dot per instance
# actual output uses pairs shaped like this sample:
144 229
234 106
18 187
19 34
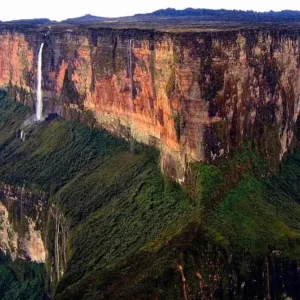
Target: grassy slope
118 203
129 225
256 212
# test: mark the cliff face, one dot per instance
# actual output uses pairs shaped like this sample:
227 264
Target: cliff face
195 96
32 230
22 216
111 226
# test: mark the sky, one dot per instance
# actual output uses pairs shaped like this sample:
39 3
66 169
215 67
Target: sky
62 9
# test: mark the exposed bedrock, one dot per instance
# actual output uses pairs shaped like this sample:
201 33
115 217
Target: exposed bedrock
32 230
195 96
22 220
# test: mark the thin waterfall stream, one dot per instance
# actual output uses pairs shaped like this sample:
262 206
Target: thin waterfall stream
39 103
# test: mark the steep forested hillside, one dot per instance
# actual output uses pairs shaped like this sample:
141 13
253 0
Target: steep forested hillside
231 230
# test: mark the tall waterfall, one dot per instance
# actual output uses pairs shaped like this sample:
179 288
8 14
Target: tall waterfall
39 103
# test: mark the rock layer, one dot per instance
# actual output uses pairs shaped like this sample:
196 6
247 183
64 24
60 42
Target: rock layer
195 96
31 230
22 220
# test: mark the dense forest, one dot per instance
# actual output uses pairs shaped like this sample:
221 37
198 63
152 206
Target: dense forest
132 228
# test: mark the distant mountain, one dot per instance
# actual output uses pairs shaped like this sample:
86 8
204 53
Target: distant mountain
31 21
170 15
85 19
225 15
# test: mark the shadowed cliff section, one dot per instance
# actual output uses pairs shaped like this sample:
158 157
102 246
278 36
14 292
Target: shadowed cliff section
135 234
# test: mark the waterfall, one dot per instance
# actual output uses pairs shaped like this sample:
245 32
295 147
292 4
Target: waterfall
60 243
39 103
22 135
57 262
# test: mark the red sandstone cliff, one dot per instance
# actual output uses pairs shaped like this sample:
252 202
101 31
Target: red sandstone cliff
195 96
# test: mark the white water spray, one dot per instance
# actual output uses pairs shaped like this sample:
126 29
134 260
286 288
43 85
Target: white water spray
39 103
22 135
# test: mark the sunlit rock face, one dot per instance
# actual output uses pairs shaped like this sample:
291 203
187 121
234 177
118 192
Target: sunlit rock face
32 230
195 96
22 223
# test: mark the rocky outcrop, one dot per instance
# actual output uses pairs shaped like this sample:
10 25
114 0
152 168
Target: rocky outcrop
195 96
22 222
56 240
33 231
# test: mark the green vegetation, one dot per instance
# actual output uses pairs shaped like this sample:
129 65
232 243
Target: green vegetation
117 203
21 280
12 115
171 84
69 90
177 124
130 227
257 213
247 210
143 66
